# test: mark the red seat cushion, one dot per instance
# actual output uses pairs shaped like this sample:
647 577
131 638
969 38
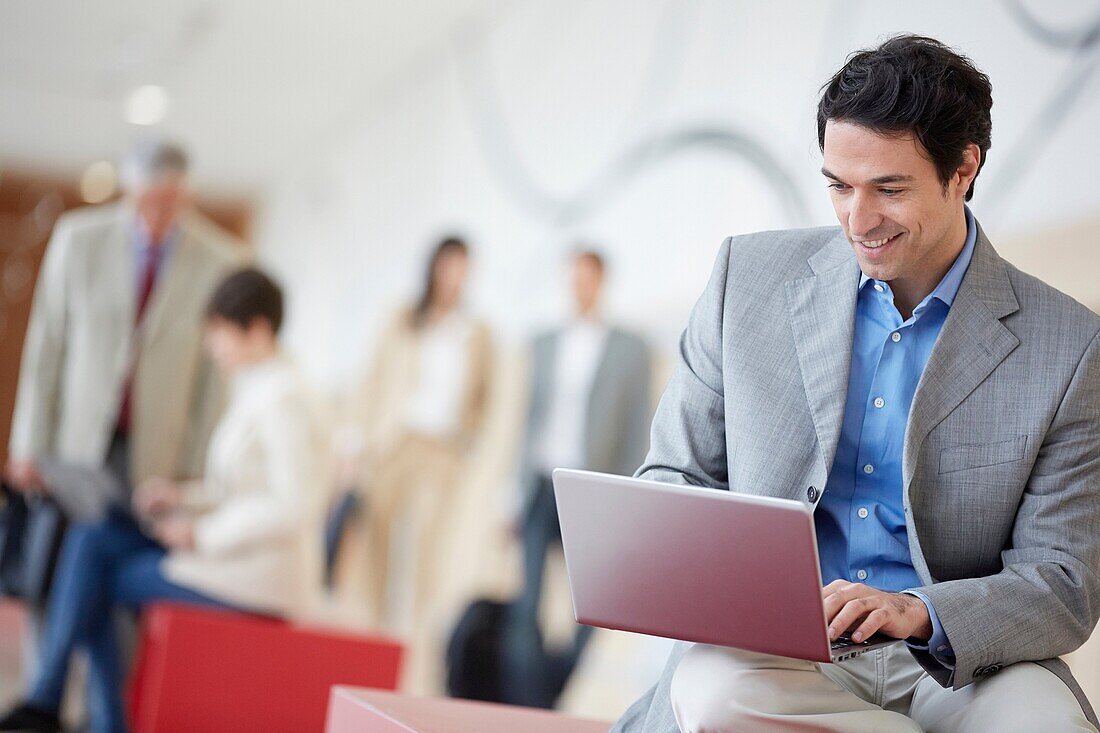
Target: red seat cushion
204 670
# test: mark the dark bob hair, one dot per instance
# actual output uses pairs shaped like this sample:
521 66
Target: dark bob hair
246 295
913 84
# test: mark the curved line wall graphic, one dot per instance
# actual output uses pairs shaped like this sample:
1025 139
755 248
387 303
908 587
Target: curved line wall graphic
518 182
1053 37
1066 91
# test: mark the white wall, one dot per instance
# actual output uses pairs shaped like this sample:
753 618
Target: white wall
574 85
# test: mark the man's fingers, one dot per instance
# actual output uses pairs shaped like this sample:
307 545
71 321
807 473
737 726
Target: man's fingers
874 621
842 593
852 612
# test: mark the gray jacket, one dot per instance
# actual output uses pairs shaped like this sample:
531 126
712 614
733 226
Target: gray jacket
1001 463
619 410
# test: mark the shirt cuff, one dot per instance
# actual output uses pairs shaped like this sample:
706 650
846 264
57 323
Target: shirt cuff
939 646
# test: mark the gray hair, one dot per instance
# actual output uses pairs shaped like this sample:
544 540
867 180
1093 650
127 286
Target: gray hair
149 161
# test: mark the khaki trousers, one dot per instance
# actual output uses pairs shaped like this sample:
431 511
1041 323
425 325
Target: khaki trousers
410 499
721 690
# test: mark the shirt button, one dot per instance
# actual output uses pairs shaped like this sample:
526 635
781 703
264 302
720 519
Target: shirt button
862 512
895 337
868 468
878 287
812 494
862 575
880 403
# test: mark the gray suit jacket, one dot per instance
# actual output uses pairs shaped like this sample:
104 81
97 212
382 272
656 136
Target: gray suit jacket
619 409
76 354
1001 463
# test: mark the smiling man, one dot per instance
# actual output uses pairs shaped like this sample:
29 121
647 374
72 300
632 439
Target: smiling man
939 411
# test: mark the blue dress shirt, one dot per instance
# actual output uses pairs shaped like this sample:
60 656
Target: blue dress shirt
144 250
860 520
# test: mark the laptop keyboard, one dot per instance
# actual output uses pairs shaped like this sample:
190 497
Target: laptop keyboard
845 642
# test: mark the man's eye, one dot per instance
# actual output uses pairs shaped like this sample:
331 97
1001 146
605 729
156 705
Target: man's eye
837 186
890 191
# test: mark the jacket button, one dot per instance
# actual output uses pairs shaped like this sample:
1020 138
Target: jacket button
812 494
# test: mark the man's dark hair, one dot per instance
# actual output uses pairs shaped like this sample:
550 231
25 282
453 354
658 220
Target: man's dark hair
914 84
246 295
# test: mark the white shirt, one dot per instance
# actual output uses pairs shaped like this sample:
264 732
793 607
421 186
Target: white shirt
577 356
436 405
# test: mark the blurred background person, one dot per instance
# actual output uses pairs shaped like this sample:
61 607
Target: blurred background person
245 536
589 408
113 379
421 409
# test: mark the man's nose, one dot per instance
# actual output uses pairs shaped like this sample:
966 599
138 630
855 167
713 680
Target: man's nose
863 217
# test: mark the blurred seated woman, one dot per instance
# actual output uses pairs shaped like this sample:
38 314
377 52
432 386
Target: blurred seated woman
241 539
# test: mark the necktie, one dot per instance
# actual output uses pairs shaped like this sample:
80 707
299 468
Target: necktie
145 289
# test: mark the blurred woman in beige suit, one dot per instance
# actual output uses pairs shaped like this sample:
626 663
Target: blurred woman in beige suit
420 410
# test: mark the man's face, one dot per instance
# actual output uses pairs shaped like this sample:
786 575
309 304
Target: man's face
587 283
160 203
902 223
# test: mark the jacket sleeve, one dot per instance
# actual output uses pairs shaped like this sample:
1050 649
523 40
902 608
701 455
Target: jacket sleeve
476 407
1045 601
276 511
34 421
688 438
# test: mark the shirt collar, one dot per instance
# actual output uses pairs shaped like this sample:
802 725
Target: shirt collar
142 245
949 285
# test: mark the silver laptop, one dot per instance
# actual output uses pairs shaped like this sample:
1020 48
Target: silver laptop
696 564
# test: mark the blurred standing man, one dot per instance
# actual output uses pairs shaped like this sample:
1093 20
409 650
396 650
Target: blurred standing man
936 409
590 409
113 375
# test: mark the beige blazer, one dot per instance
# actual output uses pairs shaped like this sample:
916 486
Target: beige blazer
258 536
77 350
392 378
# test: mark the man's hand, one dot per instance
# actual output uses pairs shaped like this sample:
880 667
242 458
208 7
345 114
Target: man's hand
175 532
23 475
156 498
899 615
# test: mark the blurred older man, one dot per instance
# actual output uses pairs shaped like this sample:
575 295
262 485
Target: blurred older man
113 380
113 373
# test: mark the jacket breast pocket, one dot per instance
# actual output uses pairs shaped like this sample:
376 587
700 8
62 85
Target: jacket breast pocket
963 457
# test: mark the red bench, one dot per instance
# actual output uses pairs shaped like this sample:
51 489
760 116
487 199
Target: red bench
203 670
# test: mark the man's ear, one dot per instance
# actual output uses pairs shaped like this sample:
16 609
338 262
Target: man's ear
968 169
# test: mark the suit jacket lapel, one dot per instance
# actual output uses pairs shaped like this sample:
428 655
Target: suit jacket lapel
174 287
823 308
971 344
123 269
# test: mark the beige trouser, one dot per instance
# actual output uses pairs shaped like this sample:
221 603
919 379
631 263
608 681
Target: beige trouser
414 488
721 690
